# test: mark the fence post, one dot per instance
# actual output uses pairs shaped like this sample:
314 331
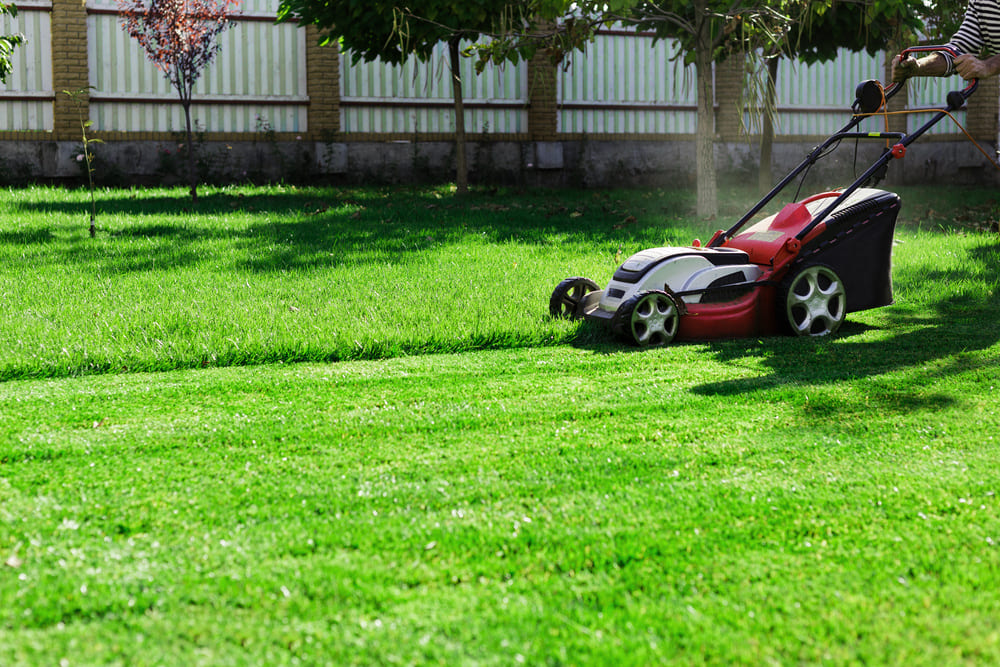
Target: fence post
323 86
982 117
69 66
543 114
543 111
728 95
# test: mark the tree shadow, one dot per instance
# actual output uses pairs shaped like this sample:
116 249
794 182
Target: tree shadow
952 329
29 237
938 342
308 228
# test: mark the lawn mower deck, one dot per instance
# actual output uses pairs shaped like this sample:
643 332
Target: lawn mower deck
801 270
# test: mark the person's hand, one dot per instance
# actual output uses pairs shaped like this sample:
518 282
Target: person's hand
903 68
970 67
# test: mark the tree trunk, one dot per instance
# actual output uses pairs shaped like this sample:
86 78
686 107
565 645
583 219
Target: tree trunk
461 166
765 175
708 199
192 174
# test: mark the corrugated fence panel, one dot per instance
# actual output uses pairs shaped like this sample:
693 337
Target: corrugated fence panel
256 83
630 84
927 92
26 97
627 83
415 97
816 99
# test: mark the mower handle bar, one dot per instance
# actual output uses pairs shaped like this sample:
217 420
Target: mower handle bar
956 100
894 87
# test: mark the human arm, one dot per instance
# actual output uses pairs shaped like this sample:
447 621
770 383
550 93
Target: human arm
967 40
966 66
934 64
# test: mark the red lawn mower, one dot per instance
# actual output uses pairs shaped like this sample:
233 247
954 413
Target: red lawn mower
801 270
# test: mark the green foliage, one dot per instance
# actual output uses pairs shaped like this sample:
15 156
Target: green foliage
810 29
870 26
942 18
393 31
8 42
713 26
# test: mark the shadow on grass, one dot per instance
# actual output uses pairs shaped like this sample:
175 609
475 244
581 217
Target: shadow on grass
307 228
954 328
28 237
319 227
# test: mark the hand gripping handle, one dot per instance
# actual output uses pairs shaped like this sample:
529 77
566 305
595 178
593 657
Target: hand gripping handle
893 88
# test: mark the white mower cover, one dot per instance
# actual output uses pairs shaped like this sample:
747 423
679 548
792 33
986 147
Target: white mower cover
677 270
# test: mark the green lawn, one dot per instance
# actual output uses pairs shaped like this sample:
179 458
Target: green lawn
447 475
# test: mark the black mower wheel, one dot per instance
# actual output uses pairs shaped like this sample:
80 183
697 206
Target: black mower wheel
813 300
647 319
567 296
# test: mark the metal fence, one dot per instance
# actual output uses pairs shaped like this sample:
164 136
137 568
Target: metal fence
416 97
812 99
26 98
256 83
624 84
627 84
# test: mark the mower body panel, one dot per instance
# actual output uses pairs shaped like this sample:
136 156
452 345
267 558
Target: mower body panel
855 240
678 270
751 313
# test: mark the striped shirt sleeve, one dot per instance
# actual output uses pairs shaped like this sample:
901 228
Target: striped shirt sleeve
980 29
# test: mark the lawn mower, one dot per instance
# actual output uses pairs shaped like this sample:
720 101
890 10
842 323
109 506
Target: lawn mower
801 270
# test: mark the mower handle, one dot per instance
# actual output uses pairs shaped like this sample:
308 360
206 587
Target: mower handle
894 87
956 99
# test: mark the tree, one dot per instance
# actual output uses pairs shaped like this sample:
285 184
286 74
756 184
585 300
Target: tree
394 31
941 18
180 37
8 42
825 28
707 31
88 157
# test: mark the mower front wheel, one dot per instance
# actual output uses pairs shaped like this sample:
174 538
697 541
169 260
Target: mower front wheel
647 319
568 295
815 301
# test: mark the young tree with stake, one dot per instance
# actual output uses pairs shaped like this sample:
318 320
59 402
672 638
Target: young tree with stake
180 37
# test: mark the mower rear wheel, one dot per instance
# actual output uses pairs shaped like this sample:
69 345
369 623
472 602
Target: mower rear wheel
647 319
567 296
815 301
